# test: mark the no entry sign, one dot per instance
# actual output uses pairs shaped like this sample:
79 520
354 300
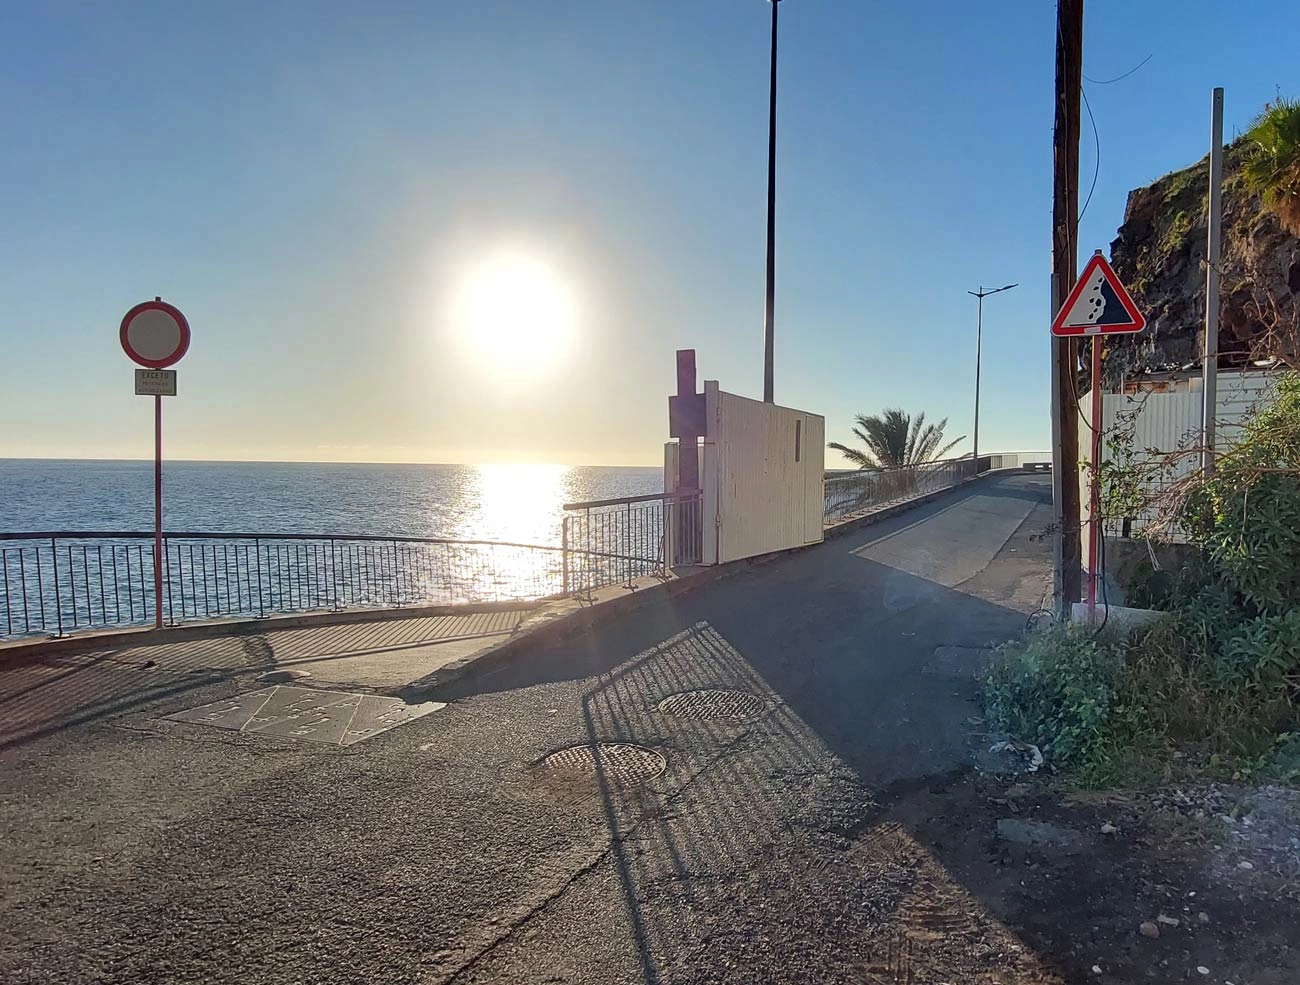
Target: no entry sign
155 334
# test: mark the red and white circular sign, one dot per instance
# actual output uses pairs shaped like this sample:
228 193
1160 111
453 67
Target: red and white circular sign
155 334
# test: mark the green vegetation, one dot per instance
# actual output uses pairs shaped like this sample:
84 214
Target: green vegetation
895 439
1211 689
1273 169
1177 234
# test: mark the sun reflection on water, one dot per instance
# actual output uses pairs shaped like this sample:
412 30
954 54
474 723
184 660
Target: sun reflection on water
520 503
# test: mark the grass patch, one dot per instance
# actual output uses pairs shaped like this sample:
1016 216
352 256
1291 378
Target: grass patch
1152 709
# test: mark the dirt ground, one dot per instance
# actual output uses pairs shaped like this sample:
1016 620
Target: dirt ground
1213 872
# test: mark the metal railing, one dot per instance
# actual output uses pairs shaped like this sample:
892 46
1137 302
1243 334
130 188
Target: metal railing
616 541
58 582
855 493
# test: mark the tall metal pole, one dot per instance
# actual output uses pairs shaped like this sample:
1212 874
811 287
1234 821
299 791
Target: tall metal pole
1065 223
980 295
979 335
157 513
1210 363
770 304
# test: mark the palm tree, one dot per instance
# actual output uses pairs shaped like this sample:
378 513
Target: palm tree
1273 170
894 439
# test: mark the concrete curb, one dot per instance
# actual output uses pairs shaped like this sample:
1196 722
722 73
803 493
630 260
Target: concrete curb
858 522
17 652
568 618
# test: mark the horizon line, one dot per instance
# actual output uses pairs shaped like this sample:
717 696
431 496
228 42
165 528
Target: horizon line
306 461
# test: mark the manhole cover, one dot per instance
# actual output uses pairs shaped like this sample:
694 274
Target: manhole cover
734 705
619 763
333 717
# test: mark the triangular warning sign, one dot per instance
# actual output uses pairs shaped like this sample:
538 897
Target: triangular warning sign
1099 304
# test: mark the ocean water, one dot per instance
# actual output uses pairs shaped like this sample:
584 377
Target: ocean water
518 503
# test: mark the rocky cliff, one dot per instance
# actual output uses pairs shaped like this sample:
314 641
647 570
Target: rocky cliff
1160 255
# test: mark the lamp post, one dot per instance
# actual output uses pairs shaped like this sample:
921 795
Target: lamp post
769 306
981 294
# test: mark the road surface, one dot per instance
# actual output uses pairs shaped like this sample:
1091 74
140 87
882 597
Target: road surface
760 847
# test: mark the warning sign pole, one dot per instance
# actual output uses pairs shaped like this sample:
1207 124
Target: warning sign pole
1095 532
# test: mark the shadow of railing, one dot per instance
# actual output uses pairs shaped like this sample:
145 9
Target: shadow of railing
787 809
59 692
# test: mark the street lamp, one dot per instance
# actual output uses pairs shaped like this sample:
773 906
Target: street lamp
981 294
769 306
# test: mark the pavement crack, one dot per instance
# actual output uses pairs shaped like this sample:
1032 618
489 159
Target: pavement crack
533 911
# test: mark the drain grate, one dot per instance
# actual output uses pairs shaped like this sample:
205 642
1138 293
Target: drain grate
733 705
620 763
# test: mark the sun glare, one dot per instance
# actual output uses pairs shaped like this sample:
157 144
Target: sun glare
516 316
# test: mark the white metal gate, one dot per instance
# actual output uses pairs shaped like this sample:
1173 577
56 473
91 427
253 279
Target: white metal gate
763 473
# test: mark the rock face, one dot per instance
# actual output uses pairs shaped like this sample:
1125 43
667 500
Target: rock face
1159 255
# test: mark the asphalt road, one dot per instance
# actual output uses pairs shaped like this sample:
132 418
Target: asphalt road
142 849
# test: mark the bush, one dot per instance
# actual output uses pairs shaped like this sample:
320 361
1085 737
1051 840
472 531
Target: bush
1264 654
1247 516
1219 677
1056 690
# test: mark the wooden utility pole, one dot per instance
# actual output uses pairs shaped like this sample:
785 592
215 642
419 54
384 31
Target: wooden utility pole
1065 241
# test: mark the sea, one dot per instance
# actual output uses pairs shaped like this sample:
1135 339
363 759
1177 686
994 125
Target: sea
520 503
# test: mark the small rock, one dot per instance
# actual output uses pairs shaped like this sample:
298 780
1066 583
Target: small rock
1018 790
1244 865
1202 970
1167 921
1096 969
1041 834
1203 917
1109 829
1148 929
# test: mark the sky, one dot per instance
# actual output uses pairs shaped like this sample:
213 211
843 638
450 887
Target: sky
316 184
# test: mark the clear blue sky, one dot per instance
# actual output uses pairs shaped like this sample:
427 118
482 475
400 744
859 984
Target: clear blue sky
310 182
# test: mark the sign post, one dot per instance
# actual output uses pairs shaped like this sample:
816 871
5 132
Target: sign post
1098 305
155 335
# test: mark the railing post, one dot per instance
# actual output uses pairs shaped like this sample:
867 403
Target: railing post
257 557
397 593
167 571
672 519
4 567
564 552
334 575
22 577
58 597
627 542
586 524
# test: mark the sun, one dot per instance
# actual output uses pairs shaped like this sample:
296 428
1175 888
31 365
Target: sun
516 316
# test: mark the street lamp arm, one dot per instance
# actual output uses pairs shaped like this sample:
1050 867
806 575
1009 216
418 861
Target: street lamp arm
981 293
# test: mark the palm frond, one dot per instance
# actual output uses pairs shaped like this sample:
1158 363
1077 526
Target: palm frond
948 447
894 439
1273 169
861 459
